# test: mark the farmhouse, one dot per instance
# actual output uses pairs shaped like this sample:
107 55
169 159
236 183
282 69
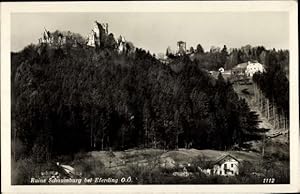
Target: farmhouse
254 67
248 69
226 165
240 69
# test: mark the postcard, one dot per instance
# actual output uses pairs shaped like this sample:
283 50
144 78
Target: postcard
149 96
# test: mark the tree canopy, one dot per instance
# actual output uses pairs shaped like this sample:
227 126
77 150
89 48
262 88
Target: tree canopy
87 99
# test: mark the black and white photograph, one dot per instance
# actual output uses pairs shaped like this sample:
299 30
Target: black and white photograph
150 98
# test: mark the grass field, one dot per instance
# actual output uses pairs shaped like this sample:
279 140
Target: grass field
155 166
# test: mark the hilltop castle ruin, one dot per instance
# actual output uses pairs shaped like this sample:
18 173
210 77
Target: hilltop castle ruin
58 39
52 38
180 51
97 38
99 34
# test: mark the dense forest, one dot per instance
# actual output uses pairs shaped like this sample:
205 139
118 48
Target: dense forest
274 82
66 100
272 89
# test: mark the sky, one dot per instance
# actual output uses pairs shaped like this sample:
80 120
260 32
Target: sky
156 31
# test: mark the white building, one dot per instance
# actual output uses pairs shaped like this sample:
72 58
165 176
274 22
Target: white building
226 166
221 70
254 67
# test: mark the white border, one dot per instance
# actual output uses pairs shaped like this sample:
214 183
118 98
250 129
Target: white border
213 6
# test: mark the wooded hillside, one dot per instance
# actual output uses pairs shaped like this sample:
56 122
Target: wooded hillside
73 99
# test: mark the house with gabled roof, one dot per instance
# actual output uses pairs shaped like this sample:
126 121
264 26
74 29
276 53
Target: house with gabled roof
226 165
240 69
248 68
254 67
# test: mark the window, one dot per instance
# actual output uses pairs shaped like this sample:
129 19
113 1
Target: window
231 165
225 166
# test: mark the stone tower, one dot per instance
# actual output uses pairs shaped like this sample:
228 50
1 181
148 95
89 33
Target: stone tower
181 48
98 34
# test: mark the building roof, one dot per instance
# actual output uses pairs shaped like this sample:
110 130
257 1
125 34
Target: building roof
224 157
245 64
